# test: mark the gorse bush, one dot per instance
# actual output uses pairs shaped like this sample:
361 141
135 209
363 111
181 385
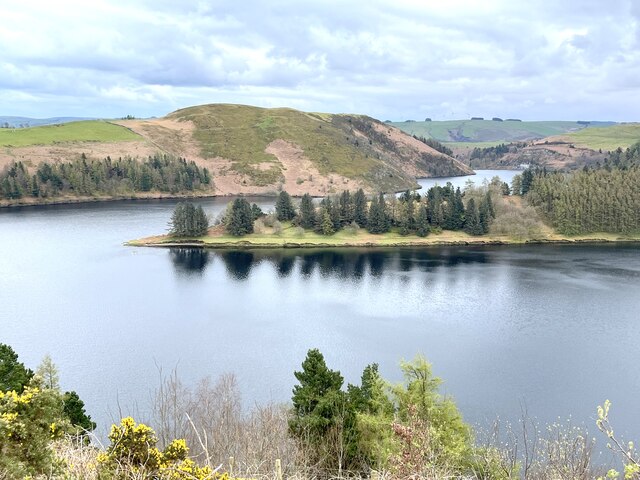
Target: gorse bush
134 448
33 413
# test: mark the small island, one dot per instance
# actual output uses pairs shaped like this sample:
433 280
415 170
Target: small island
491 214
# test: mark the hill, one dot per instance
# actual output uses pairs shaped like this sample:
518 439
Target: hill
253 150
249 150
471 131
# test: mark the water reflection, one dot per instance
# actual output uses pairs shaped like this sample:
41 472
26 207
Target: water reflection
238 263
343 264
189 261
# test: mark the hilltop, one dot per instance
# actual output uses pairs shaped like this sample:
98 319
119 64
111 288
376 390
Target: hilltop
249 150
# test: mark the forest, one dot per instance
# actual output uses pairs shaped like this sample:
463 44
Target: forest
88 177
376 429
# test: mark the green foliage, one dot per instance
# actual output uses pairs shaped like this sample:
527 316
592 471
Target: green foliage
241 218
13 374
589 200
360 208
86 177
73 408
285 211
308 218
188 220
378 220
28 422
323 421
418 397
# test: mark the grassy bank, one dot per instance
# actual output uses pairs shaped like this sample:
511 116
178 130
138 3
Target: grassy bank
292 237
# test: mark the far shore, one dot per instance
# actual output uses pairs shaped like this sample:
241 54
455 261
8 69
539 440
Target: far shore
289 238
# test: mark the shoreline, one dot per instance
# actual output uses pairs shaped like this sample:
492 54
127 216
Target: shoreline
243 243
73 200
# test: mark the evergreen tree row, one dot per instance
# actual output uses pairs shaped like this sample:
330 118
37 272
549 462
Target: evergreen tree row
600 200
86 177
441 208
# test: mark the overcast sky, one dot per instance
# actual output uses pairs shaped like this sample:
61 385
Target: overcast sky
531 59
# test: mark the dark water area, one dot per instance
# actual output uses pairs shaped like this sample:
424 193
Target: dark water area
551 329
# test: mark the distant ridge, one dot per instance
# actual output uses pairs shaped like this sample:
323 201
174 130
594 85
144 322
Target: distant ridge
477 130
23 122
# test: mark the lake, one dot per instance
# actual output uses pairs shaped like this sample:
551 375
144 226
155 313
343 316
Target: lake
551 329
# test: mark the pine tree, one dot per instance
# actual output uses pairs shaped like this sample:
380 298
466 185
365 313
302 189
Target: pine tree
346 208
360 208
307 212
13 374
327 227
422 222
240 221
323 421
256 211
472 219
285 211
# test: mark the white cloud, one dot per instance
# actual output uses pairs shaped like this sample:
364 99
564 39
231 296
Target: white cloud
390 59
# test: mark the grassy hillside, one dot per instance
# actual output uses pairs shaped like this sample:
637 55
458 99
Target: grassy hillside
607 138
87 131
487 130
241 134
352 146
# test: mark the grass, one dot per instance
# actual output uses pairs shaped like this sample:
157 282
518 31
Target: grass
289 237
607 138
486 130
86 131
241 133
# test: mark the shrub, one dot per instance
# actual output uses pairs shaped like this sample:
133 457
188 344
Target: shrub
133 449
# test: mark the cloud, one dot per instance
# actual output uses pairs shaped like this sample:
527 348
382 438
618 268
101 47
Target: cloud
390 59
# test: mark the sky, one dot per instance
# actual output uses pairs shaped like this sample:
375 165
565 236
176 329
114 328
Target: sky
396 60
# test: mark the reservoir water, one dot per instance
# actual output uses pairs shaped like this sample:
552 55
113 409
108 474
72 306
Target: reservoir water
551 329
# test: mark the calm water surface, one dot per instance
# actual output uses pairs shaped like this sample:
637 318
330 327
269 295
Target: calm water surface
553 329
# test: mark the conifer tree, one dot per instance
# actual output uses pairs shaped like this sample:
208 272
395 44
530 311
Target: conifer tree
346 208
240 221
472 219
285 211
422 221
360 208
307 212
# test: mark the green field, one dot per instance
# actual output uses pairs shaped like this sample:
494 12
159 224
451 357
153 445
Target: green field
486 130
87 131
607 138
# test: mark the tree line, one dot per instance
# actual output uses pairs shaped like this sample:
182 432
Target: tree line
440 208
435 144
88 177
